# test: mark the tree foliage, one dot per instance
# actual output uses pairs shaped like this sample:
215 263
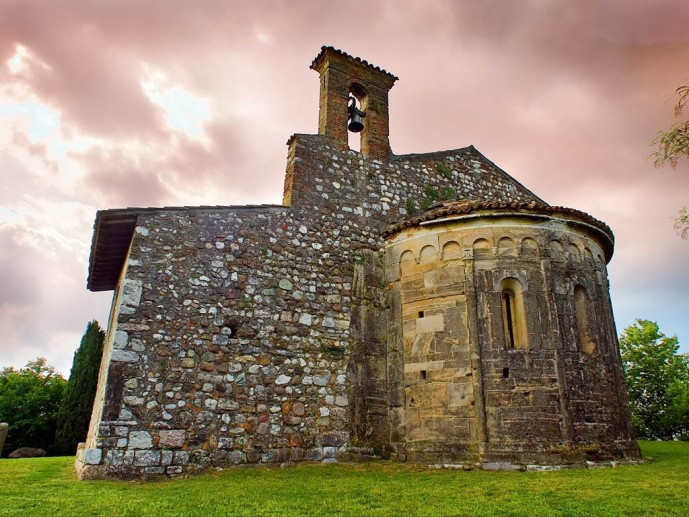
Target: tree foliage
671 145
657 379
682 222
29 401
75 412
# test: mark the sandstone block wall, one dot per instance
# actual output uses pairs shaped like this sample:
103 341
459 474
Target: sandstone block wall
471 395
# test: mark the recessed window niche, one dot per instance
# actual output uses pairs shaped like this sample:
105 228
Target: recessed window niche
513 313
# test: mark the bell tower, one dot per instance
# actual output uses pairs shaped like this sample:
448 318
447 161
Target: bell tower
343 76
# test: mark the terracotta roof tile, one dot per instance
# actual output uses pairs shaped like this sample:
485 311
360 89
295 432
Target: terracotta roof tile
326 48
470 206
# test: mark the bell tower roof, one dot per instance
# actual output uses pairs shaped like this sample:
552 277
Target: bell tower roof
325 50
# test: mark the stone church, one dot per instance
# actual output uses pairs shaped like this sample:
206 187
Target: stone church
426 308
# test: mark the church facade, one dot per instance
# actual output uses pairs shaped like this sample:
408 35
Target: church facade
425 308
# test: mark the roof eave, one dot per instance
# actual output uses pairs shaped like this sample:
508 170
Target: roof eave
112 235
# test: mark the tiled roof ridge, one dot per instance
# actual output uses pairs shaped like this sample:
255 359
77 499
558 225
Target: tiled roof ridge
325 48
143 209
466 206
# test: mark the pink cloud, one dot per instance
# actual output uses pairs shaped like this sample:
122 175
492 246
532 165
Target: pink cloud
565 97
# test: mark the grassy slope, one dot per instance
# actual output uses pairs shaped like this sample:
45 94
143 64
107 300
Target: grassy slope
46 486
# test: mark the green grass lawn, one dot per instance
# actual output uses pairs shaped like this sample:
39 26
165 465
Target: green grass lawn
47 487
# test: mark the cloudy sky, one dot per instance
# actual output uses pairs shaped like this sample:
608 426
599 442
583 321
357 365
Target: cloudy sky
125 103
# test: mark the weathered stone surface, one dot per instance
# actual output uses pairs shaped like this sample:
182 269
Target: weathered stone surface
501 466
321 380
227 404
282 379
542 468
140 440
124 356
131 292
269 334
506 380
180 458
148 458
120 340
92 456
173 439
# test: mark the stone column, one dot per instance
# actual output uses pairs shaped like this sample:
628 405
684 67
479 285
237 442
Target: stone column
475 347
556 337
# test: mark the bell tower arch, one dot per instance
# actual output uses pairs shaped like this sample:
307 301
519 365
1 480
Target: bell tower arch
343 76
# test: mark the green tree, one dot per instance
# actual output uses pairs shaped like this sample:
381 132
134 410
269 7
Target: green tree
671 145
75 412
657 381
29 401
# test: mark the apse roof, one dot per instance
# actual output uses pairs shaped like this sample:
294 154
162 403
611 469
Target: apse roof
468 207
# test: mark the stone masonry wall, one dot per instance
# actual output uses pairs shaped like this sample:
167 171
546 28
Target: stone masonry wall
258 334
470 396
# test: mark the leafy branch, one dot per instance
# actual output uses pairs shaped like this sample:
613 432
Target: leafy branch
671 145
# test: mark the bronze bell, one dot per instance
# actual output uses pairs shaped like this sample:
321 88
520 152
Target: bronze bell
355 116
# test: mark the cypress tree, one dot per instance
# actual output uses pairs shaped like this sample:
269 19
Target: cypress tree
75 412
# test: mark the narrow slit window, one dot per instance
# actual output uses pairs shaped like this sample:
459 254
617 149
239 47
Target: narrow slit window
420 314
423 374
508 300
505 373
513 313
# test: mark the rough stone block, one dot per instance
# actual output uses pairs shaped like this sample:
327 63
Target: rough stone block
131 292
140 440
154 471
314 454
425 366
124 356
227 404
114 457
92 456
500 465
236 457
321 380
434 323
225 442
120 340
282 379
173 439
180 458
460 394
146 458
